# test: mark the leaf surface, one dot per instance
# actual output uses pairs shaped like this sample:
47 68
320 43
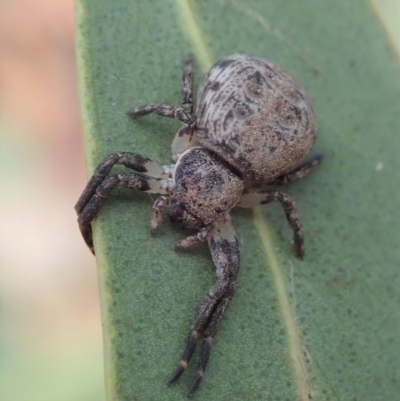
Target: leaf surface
326 327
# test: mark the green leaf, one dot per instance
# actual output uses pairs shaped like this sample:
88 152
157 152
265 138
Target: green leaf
325 328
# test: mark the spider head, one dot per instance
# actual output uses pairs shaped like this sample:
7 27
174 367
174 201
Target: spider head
180 215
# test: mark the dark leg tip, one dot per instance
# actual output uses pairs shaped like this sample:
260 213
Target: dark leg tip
176 375
189 59
194 385
300 251
318 158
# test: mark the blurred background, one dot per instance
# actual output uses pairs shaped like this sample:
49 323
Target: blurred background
50 330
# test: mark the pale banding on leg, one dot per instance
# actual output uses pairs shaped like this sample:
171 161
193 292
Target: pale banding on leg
134 161
131 181
158 206
164 110
224 249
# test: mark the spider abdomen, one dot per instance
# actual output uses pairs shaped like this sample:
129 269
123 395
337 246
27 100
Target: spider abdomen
255 116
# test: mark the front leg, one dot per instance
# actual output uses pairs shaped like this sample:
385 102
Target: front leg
131 181
224 247
134 161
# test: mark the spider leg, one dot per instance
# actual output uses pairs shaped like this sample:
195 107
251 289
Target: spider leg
131 160
132 181
198 324
187 86
158 206
164 110
224 249
191 240
289 206
209 334
184 138
299 172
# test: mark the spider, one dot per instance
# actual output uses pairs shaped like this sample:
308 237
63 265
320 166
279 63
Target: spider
253 127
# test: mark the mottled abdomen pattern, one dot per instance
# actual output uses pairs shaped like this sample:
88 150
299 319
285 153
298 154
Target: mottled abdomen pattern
256 116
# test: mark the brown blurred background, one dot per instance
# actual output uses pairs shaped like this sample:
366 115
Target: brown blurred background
50 331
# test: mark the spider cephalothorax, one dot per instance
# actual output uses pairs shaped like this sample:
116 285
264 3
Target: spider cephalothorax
253 126
204 187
